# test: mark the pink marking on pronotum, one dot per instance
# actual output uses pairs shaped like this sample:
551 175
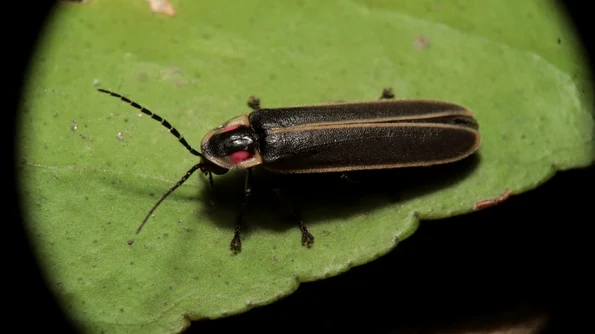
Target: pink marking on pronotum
231 128
240 156
486 203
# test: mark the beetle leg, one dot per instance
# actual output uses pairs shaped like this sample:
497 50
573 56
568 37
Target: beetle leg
349 178
236 242
211 180
254 103
387 93
307 237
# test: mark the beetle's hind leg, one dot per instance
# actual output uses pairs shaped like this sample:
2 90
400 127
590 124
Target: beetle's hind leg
236 242
350 178
387 93
307 237
253 103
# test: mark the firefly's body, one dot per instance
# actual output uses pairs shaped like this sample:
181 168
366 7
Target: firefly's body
345 137
338 137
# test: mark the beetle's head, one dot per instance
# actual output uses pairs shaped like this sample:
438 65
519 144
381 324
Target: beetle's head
232 145
209 167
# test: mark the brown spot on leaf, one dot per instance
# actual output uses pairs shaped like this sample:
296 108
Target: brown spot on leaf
421 43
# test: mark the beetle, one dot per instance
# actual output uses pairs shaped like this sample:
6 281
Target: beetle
328 138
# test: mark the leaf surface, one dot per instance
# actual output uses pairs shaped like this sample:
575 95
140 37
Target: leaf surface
92 167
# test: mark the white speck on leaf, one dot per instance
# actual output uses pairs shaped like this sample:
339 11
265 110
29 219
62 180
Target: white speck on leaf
162 6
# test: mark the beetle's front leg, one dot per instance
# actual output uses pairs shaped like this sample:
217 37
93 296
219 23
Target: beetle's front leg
236 242
211 180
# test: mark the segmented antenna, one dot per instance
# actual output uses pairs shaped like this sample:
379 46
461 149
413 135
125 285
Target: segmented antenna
174 132
156 117
182 180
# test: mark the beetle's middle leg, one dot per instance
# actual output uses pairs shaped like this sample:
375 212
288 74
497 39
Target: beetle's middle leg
236 242
387 93
253 103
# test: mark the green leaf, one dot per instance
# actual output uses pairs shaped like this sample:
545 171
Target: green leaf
92 166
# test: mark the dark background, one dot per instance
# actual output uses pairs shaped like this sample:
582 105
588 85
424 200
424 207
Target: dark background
527 257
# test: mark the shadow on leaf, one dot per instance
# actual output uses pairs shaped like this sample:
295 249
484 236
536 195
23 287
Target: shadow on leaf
322 197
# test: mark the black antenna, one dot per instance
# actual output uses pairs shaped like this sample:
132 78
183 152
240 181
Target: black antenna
156 117
182 180
174 132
